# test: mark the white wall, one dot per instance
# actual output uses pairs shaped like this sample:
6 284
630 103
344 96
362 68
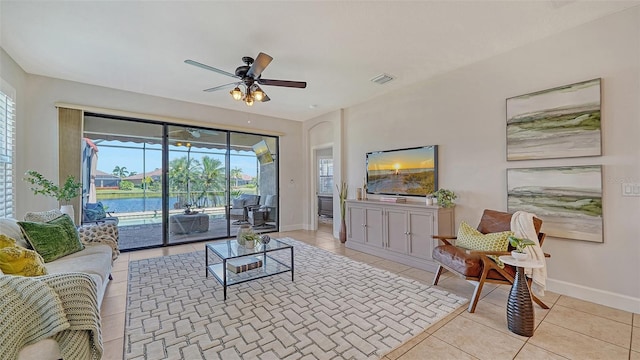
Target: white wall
37 146
464 113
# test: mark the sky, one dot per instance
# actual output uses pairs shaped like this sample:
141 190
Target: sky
132 159
420 158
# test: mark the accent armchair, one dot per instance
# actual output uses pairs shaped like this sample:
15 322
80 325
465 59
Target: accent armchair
476 266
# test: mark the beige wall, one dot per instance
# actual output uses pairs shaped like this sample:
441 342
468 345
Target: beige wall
37 130
464 113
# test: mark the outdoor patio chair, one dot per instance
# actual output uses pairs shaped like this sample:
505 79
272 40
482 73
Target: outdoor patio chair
475 266
240 208
260 216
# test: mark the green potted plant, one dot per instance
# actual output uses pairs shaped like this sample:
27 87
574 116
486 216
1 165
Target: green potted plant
445 197
63 193
343 190
519 244
250 239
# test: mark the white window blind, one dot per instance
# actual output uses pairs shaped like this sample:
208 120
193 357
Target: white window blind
7 150
325 176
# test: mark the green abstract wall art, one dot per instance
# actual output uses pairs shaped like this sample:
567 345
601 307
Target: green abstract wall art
556 123
567 198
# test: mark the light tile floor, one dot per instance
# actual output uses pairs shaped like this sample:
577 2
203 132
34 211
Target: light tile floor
572 328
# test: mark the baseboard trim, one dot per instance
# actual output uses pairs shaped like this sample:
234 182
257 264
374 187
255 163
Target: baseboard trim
602 297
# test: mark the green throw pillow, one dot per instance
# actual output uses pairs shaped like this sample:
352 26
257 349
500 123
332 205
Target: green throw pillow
472 239
53 239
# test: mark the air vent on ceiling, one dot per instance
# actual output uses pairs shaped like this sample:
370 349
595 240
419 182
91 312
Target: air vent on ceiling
382 79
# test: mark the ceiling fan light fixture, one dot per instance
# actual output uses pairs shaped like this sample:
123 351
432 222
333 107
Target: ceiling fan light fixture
257 93
236 93
249 99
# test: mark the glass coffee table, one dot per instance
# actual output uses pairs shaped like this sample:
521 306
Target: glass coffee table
236 264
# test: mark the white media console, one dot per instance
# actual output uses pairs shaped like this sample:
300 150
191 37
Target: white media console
401 232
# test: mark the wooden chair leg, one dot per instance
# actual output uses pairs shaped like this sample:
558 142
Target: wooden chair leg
535 298
438 273
477 291
539 302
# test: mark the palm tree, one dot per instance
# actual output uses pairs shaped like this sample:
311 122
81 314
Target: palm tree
120 171
212 178
182 173
236 173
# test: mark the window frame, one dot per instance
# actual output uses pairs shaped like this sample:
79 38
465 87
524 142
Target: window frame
8 124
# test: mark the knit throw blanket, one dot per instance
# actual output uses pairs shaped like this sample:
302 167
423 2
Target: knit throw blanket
61 306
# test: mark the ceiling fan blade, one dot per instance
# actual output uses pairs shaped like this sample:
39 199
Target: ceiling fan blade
221 87
285 83
210 68
260 63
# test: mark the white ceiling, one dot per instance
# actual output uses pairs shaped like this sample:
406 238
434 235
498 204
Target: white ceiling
337 47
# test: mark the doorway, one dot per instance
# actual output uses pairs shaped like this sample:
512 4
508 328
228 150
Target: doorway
324 187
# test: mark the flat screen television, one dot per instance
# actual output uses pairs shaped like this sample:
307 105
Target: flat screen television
262 152
403 172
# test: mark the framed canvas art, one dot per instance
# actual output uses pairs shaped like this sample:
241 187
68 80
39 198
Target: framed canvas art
568 199
557 123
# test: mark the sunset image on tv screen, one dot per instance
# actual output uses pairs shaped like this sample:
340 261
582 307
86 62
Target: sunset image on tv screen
402 172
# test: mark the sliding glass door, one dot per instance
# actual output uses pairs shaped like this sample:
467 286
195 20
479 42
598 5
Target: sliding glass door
126 177
253 181
167 184
197 184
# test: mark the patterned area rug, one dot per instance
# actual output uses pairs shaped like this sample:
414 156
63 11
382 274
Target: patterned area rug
335 308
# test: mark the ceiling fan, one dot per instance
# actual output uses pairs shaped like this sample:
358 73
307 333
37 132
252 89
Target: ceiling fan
186 135
249 75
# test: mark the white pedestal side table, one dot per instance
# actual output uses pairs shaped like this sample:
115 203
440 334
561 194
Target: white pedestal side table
520 315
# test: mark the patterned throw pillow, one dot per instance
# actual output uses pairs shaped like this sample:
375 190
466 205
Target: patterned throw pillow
10 228
42 216
53 239
16 260
472 239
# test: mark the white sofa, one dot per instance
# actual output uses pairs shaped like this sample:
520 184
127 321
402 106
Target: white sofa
94 259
